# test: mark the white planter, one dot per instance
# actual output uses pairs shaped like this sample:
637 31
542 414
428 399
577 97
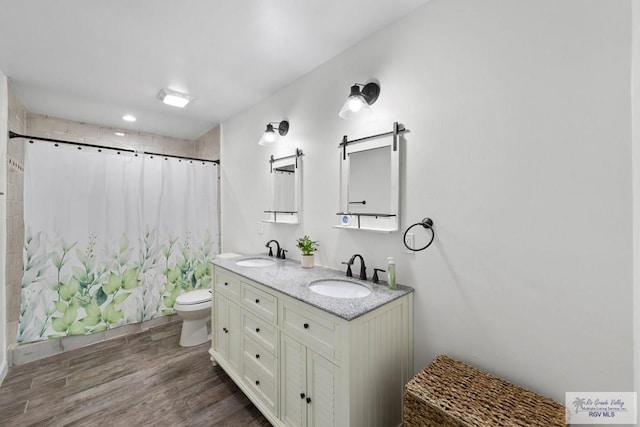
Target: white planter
307 261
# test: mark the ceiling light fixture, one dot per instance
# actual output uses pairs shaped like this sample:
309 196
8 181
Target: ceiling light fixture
128 118
360 100
173 98
119 133
269 137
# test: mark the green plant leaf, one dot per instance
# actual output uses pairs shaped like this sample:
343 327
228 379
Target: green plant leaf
69 290
130 279
101 297
91 320
201 270
112 285
77 328
209 269
75 303
120 298
69 316
167 312
205 282
58 324
107 313
56 261
92 310
169 301
60 306
124 243
111 315
173 275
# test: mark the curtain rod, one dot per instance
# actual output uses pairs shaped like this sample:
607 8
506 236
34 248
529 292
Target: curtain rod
104 147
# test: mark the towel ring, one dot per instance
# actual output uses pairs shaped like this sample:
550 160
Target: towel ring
426 223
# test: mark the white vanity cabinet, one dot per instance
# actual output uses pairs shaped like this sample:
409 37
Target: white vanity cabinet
303 366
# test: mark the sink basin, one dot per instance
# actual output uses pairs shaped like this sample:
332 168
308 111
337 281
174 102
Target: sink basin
255 262
339 289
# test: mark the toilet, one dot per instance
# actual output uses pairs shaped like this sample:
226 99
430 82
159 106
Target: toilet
194 308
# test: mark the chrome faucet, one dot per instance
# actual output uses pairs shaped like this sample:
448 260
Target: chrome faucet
268 245
363 268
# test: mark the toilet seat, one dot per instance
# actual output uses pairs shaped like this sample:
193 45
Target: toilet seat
194 297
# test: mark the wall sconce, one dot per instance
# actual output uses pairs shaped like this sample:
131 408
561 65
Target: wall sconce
270 136
360 100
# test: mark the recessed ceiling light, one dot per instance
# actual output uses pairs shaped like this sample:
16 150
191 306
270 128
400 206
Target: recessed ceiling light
129 118
173 98
119 133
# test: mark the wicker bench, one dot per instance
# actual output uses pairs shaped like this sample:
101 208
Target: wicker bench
451 393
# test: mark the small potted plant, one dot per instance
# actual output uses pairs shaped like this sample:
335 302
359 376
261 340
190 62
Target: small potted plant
308 247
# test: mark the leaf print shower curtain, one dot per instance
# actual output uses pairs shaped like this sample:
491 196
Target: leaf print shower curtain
111 239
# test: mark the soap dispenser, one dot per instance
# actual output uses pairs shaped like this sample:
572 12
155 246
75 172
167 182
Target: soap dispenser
391 273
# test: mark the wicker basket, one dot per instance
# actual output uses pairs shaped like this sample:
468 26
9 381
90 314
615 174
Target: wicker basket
451 393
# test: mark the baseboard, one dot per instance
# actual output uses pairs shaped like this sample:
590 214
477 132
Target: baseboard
19 354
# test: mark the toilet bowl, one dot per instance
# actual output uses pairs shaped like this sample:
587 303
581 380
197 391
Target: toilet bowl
194 308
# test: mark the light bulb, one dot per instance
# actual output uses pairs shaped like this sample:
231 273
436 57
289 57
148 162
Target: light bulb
355 103
269 136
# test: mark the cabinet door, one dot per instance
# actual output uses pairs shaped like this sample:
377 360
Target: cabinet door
228 331
235 336
293 382
321 381
221 327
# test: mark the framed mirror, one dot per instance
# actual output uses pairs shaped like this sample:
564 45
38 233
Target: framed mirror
285 189
370 182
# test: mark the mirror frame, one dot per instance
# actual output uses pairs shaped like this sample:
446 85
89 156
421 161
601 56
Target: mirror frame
285 217
375 221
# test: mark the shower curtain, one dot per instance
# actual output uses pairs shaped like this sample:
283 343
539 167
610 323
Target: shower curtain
111 238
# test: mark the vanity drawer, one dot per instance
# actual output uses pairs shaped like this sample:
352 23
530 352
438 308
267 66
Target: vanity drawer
229 285
312 328
260 303
262 383
261 331
260 355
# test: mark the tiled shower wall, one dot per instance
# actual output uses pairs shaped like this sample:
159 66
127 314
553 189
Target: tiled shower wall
15 213
23 122
208 146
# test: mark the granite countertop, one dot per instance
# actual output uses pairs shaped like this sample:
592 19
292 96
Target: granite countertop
290 278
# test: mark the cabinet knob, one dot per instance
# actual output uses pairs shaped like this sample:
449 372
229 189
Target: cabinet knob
308 400
257 330
257 356
226 283
301 395
257 301
306 326
257 382
225 330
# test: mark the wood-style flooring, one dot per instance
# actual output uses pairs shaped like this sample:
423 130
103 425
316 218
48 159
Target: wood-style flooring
145 379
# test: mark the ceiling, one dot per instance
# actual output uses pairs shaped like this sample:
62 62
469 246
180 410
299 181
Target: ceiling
94 61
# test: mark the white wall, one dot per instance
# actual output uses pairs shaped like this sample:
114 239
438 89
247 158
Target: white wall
635 84
4 111
519 150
